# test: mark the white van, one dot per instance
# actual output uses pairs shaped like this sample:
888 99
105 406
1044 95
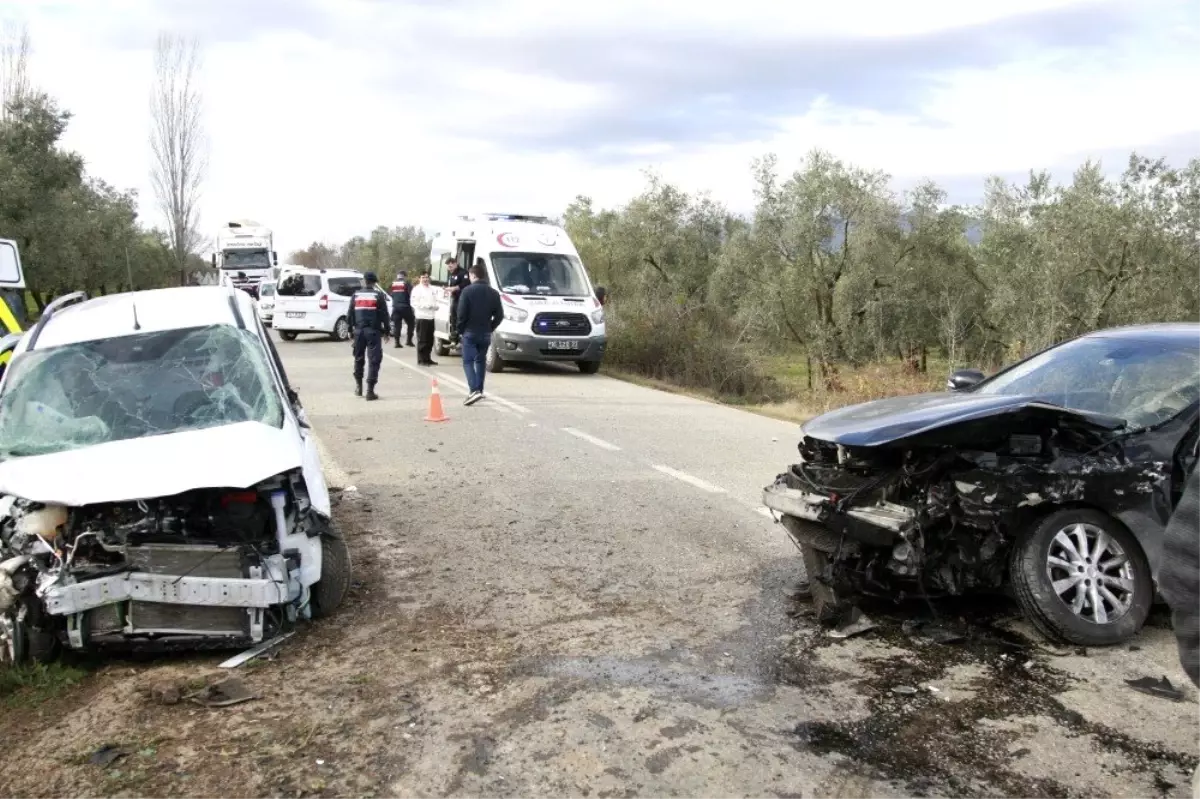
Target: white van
266 301
314 301
551 312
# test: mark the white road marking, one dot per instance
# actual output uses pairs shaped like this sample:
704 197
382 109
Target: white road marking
687 478
459 384
599 442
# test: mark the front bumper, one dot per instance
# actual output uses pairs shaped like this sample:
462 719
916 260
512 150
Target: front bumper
876 525
526 347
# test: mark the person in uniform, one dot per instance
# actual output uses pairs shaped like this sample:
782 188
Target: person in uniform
368 328
402 307
456 281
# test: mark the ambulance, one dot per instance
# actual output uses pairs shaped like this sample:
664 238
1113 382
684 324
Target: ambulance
552 312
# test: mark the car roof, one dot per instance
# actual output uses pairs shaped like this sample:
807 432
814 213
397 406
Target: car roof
308 270
113 315
1177 333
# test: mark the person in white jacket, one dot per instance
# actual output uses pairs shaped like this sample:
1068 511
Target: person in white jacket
425 304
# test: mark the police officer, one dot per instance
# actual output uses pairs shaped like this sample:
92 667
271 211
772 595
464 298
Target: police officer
402 307
368 326
456 281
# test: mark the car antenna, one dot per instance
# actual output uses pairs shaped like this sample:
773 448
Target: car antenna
136 324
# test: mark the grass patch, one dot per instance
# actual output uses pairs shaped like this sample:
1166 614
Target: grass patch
32 684
798 402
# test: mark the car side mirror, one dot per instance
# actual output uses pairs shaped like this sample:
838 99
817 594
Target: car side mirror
963 379
601 294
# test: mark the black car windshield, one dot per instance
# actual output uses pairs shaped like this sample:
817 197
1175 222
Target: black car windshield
245 259
1140 381
94 392
540 273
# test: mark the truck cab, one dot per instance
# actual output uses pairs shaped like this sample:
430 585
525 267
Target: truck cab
245 255
551 309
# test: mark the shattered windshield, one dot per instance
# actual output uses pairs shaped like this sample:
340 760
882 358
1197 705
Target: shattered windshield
540 273
1142 382
146 384
245 259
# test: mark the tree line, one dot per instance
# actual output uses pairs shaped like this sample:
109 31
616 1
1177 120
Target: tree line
75 231
835 266
831 265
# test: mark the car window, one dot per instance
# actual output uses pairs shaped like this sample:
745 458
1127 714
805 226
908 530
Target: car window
1142 382
300 286
266 289
345 286
79 395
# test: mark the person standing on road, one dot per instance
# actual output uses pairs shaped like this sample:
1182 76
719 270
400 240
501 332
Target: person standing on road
401 307
457 281
368 327
479 313
425 305
1179 582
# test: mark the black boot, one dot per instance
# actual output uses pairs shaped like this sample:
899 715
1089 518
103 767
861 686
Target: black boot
398 344
371 395
358 386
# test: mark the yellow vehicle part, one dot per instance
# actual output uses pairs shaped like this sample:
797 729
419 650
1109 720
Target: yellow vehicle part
8 319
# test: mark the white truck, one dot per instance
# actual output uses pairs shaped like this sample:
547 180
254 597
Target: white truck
245 255
552 312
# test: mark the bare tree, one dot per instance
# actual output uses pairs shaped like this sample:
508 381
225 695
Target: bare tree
14 65
178 144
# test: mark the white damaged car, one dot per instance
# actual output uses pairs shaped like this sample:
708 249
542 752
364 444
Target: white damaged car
160 486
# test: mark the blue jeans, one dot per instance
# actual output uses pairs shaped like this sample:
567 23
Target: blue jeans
474 355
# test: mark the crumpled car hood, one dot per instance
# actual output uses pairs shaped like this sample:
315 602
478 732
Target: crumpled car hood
888 420
230 456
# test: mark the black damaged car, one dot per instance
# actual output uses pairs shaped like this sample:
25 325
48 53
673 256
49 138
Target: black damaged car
1053 479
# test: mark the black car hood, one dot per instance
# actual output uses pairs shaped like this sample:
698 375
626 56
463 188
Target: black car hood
886 421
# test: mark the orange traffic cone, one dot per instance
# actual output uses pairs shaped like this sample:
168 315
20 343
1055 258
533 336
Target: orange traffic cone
436 414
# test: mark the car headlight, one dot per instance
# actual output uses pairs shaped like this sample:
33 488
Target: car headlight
515 314
598 316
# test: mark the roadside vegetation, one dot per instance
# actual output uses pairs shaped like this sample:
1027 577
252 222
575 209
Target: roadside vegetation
836 287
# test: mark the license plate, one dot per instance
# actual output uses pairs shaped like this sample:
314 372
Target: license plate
295 314
562 345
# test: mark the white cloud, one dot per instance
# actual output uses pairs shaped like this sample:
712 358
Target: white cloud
309 136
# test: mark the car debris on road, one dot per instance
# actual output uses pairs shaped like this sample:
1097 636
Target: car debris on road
160 486
1055 477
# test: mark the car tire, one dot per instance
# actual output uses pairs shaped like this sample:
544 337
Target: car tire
287 335
30 643
493 362
329 592
442 348
341 330
1042 568
588 367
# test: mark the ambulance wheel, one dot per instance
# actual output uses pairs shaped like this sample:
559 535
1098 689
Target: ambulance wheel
493 362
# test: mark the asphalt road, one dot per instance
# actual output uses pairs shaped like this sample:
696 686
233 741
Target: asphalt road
613 535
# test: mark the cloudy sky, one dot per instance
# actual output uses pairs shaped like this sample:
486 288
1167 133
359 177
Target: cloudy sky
326 118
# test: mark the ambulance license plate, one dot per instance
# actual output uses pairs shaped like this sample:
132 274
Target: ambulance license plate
563 345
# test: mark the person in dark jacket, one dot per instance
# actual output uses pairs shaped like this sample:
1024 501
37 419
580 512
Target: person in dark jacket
1179 575
402 307
457 281
368 328
480 311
